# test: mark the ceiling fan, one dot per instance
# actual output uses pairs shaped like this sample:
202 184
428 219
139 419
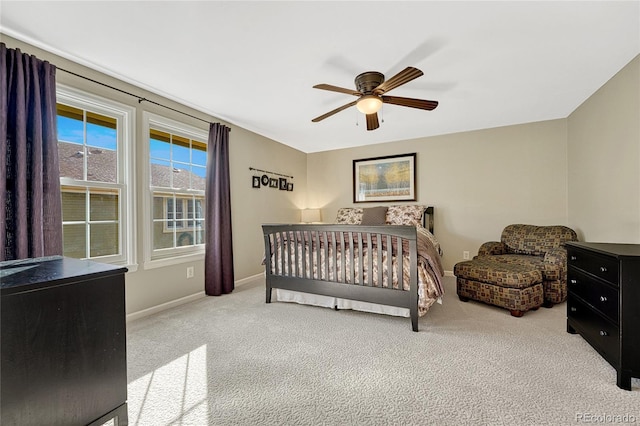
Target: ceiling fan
371 88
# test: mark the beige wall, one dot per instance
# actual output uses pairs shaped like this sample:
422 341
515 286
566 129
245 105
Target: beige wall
583 171
146 288
604 161
478 181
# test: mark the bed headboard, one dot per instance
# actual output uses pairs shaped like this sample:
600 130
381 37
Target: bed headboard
427 218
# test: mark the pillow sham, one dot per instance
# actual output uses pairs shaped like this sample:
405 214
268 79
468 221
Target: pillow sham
374 216
405 215
349 216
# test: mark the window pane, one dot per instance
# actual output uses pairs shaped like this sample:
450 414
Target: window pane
199 154
199 211
74 205
179 213
181 149
200 235
70 124
185 239
161 173
71 159
181 176
75 241
198 180
102 165
101 131
161 239
104 206
159 146
159 207
104 239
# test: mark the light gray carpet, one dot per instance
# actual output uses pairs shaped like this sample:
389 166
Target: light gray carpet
236 360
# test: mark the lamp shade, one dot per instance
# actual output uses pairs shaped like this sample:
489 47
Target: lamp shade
369 104
310 215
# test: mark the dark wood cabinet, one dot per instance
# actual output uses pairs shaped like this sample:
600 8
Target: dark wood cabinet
63 342
604 302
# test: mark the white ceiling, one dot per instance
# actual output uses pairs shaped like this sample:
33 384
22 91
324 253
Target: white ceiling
253 64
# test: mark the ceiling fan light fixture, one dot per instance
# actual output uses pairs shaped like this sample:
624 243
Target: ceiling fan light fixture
369 104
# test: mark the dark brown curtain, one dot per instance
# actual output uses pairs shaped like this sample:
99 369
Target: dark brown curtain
30 203
218 266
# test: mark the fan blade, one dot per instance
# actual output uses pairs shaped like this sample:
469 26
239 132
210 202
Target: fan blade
404 76
372 121
336 89
335 111
410 102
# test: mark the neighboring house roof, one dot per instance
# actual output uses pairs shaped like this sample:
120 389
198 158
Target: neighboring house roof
102 167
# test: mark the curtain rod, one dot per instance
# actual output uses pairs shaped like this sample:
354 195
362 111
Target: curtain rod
140 98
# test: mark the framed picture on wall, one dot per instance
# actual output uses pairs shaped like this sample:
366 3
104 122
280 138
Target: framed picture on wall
283 184
273 183
391 178
290 186
255 182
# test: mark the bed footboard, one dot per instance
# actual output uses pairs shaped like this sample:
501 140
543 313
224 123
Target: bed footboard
375 264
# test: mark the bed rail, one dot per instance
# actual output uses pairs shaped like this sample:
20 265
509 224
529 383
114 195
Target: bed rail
338 261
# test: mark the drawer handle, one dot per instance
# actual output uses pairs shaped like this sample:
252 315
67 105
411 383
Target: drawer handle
603 269
603 333
574 309
603 298
574 257
574 281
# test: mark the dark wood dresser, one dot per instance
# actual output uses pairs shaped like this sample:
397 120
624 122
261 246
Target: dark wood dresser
63 347
603 305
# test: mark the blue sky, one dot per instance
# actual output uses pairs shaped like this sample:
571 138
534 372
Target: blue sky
71 130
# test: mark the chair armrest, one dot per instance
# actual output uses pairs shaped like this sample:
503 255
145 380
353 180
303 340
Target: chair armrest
492 248
555 264
556 256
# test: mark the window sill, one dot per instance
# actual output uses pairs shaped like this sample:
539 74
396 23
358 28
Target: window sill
174 260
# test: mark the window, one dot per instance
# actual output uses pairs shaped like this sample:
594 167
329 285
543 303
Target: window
93 143
177 161
175 213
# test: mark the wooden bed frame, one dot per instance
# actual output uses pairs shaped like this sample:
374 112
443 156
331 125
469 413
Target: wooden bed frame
293 277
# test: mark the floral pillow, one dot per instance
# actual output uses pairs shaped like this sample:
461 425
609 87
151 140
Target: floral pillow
405 215
349 216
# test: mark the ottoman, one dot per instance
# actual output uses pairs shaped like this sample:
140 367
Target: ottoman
515 287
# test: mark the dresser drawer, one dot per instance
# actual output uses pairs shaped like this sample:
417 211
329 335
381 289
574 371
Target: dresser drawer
601 266
601 296
600 333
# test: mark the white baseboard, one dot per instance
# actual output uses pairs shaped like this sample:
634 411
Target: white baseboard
164 306
186 299
251 279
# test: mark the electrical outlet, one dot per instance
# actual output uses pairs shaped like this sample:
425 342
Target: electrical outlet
189 271
465 255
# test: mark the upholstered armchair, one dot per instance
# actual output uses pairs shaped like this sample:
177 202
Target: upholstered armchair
538 246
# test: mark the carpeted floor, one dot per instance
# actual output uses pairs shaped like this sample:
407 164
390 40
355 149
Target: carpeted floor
234 360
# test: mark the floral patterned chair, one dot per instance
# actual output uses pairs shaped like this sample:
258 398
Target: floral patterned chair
541 247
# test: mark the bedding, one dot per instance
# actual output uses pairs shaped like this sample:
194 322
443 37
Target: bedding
391 269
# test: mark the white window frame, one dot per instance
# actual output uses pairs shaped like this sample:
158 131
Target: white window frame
125 116
155 258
